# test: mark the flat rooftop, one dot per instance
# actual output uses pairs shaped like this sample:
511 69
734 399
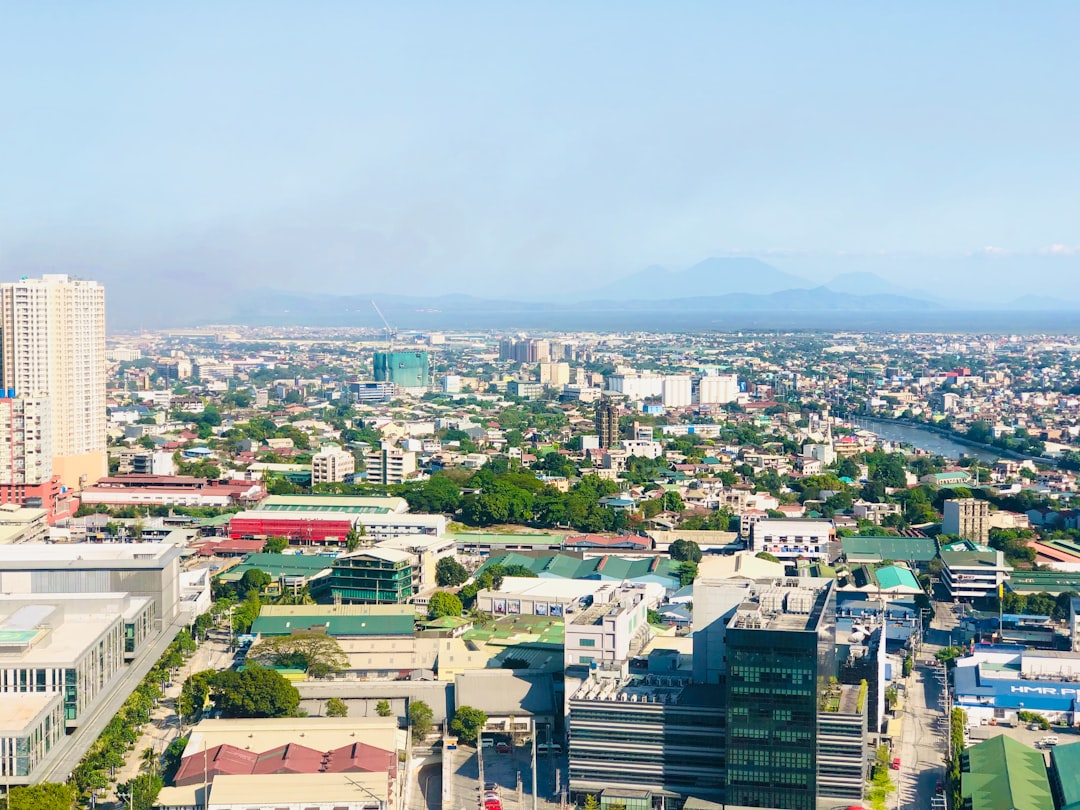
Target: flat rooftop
634 689
788 604
17 711
81 555
322 789
61 645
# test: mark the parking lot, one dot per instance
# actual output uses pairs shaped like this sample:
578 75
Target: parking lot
511 772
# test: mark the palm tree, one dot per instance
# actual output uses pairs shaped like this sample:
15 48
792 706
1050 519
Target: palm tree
150 760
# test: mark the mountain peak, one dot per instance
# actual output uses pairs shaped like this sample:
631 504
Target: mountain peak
717 275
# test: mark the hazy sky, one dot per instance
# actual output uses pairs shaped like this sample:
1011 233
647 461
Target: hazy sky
507 146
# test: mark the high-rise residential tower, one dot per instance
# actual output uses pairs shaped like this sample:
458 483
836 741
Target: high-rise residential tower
52 345
607 423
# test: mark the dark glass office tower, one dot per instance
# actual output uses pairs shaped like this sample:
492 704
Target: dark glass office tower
780 657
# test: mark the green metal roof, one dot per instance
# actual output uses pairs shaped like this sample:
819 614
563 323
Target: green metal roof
893 576
566 566
1004 774
887 547
279 565
335 625
1066 760
1052 582
969 559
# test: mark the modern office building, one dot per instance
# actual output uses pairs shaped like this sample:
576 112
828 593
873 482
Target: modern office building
389 465
646 741
140 569
370 576
779 649
406 370
52 344
606 419
31 725
331 464
968 518
969 575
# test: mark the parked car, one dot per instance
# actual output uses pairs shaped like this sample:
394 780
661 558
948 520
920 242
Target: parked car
490 786
895 764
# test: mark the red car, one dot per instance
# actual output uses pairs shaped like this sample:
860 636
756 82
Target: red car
895 764
492 804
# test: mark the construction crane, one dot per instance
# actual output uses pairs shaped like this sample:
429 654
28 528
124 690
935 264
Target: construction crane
389 328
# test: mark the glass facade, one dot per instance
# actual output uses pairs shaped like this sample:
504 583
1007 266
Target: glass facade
404 369
369 580
775 677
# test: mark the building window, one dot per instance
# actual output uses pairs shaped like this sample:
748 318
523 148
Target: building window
587 642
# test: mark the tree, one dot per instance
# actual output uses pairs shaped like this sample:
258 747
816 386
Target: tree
672 501
382 708
683 550
336 707
352 540
317 654
764 555
170 760
254 579
420 718
591 803
194 694
276 545
141 792
255 692
449 572
444 603
46 796
468 723
687 572
149 760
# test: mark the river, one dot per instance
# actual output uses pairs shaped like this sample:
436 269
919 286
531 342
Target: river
923 439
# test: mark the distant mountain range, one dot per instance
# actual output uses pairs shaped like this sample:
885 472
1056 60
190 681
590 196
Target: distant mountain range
720 286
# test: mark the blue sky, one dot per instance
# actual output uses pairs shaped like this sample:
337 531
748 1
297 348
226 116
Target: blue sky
515 146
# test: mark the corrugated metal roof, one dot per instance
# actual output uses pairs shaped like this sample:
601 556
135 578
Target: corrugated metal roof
1004 774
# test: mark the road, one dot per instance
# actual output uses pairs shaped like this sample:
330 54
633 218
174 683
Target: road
925 732
92 724
164 725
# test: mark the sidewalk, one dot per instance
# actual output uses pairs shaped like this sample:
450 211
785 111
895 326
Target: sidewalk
164 725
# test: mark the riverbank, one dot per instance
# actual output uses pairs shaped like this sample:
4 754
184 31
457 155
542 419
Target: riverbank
954 437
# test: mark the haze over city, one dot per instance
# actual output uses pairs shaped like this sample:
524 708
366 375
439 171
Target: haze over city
200 150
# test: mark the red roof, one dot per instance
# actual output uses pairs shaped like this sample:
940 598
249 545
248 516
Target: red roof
359 757
291 758
227 759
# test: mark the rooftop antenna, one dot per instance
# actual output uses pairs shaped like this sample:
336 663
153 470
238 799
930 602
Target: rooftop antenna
389 328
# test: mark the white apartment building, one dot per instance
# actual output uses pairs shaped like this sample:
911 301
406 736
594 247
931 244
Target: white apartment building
26 450
716 389
793 539
331 464
642 448
52 344
677 391
609 631
389 464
